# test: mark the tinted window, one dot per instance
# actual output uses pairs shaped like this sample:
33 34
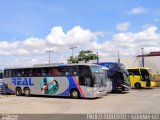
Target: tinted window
47 71
134 71
59 71
6 73
71 71
85 76
36 72
16 73
27 72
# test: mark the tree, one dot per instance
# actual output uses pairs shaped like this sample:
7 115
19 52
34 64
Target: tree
83 56
73 59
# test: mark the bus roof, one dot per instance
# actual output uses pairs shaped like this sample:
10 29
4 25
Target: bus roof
57 65
138 68
101 63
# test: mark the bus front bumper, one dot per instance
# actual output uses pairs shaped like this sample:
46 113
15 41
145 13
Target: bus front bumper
99 93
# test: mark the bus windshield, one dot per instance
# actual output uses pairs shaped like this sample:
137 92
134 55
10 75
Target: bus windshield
99 76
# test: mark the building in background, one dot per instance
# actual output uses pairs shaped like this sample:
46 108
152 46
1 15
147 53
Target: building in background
151 60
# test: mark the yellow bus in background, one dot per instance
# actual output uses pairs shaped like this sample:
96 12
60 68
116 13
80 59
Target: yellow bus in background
141 77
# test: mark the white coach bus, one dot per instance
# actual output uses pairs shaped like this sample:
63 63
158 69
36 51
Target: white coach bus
74 80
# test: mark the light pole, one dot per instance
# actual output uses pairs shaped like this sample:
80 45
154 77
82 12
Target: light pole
97 57
72 48
118 57
49 52
142 57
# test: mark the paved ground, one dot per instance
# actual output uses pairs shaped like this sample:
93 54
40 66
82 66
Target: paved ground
136 101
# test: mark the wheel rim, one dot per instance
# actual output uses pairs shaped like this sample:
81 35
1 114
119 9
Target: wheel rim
137 85
27 92
18 92
74 93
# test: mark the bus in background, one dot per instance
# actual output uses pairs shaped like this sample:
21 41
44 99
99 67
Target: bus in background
118 75
141 77
1 82
108 80
74 80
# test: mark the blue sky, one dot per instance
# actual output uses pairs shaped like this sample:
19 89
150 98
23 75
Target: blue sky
22 19
30 27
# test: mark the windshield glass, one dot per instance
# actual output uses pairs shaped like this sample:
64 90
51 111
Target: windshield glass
99 77
99 80
96 69
126 79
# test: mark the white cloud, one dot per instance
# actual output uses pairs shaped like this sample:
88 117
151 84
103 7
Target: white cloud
32 50
123 26
137 10
76 34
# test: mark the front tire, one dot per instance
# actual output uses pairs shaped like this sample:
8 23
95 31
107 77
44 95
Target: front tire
74 94
27 92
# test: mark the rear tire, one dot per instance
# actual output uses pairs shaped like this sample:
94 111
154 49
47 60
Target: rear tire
137 85
74 94
27 92
18 91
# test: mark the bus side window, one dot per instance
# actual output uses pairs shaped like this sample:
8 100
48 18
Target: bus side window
72 71
6 73
134 71
56 71
50 72
62 71
27 72
17 73
59 71
44 71
36 72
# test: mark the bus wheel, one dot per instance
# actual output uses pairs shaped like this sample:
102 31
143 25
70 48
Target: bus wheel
137 85
18 91
27 92
74 94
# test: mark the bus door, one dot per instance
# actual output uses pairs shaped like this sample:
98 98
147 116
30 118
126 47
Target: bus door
85 80
145 77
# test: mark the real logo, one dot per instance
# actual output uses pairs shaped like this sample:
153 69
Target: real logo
22 81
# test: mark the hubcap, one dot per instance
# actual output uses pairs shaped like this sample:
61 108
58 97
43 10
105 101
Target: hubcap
26 92
75 93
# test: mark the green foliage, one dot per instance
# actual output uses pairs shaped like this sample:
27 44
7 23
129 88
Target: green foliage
73 59
83 56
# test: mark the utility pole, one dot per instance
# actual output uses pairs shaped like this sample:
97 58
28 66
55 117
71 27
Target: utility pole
118 57
97 57
49 52
142 57
72 48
